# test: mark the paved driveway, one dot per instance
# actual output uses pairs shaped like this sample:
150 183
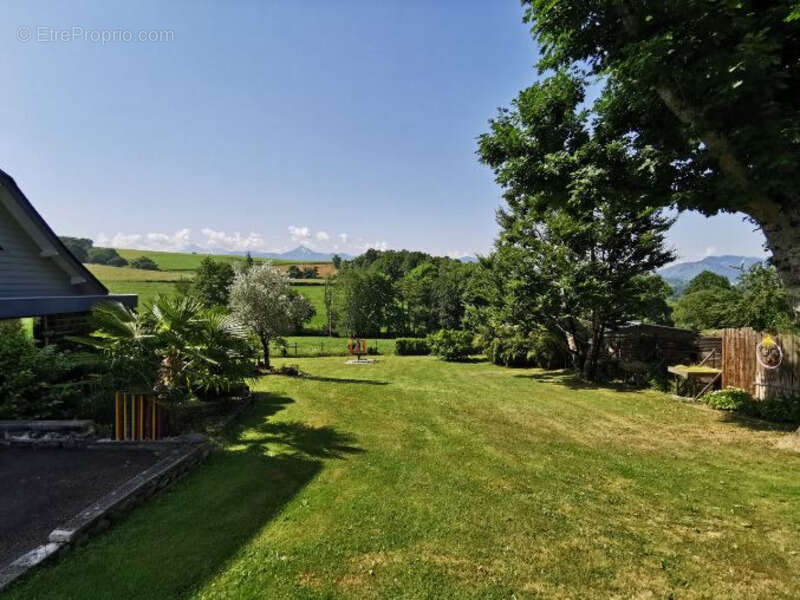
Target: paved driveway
42 488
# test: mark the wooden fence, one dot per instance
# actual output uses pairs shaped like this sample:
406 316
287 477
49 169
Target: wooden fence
740 366
710 351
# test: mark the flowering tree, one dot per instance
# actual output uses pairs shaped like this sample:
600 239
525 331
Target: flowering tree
261 298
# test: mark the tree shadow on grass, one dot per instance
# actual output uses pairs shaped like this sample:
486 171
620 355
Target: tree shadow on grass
344 380
568 379
176 544
756 424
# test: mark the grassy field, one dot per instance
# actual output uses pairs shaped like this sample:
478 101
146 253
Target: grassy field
316 295
149 284
185 261
413 478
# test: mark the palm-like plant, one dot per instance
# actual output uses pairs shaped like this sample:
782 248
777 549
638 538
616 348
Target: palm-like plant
171 347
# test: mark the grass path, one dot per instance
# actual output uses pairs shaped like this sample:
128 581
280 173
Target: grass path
413 478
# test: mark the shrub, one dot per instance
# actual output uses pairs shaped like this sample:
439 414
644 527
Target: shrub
730 398
144 262
174 348
510 348
411 347
451 344
288 370
36 383
782 409
105 256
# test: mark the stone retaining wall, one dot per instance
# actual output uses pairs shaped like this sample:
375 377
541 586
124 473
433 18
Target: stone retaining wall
180 458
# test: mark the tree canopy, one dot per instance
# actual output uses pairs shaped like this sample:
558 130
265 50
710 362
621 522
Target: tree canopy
582 231
707 91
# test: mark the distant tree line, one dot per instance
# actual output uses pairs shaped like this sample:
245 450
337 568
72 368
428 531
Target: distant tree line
398 293
758 299
86 252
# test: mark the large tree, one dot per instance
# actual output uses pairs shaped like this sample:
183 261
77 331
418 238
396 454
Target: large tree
582 231
261 299
710 86
364 301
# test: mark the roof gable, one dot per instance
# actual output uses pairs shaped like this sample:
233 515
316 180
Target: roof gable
44 244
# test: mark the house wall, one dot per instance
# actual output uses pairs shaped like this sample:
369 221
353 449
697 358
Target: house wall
23 271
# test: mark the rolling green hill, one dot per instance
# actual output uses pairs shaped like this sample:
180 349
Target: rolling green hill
190 261
149 284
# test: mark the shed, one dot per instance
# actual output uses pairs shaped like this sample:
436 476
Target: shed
39 276
656 344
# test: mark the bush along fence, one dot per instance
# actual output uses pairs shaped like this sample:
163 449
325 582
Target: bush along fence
765 366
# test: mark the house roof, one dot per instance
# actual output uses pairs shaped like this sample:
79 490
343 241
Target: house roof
88 290
49 243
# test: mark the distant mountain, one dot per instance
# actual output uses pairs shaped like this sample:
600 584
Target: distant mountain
468 259
679 274
302 254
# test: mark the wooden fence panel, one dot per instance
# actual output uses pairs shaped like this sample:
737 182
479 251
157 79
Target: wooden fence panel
740 366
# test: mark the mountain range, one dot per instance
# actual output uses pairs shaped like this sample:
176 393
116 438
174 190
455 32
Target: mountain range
305 254
728 265
300 254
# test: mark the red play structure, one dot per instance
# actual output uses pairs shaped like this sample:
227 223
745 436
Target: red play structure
358 347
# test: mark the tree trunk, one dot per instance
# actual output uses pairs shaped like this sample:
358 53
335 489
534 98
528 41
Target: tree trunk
576 353
781 225
265 348
593 356
782 230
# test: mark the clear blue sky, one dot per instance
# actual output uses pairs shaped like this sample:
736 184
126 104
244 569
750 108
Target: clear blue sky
263 124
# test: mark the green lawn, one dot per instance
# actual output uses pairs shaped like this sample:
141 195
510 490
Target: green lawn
414 478
314 345
316 295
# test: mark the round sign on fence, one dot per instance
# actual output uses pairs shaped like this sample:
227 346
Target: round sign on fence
769 353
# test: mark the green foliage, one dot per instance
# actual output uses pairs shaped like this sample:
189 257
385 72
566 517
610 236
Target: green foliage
713 308
411 347
707 280
758 300
706 90
730 398
363 303
78 246
582 231
780 409
173 348
212 282
510 348
36 383
143 262
764 303
105 256
262 300
451 344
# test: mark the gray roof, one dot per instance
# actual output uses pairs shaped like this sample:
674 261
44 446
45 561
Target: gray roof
41 257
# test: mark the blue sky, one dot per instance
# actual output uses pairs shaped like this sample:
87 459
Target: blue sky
262 125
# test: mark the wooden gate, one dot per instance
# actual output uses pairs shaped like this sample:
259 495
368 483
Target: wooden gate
740 366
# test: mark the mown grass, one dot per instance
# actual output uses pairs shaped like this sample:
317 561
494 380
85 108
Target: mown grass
414 478
315 345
